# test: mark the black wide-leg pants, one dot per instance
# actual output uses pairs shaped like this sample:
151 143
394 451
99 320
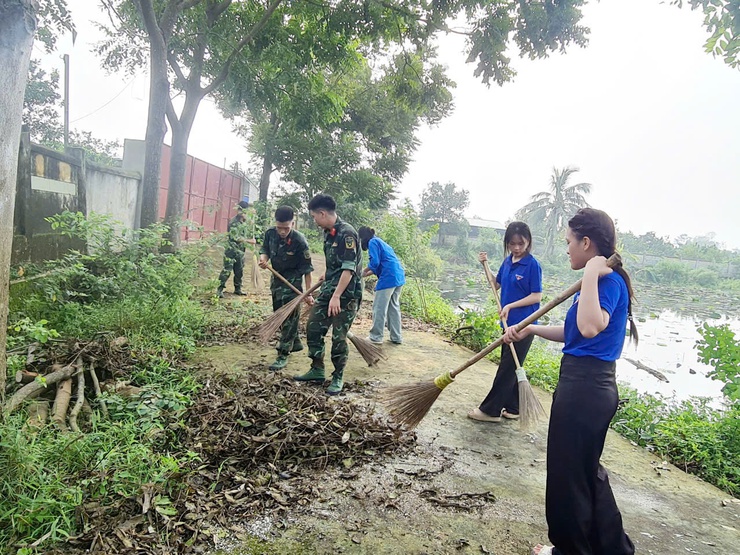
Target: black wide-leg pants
582 515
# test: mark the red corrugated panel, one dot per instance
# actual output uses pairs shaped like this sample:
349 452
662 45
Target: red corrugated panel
200 174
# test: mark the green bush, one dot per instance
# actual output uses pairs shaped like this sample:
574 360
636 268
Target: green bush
403 232
719 349
122 286
478 328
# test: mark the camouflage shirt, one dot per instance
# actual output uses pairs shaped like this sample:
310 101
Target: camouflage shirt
290 257
342 252
239 232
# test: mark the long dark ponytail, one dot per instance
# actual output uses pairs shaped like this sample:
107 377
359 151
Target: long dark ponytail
599 227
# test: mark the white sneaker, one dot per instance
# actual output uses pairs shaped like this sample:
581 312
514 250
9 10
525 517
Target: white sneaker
373 341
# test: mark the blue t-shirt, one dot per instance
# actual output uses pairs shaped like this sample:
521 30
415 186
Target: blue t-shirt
607 345
385 264
518 280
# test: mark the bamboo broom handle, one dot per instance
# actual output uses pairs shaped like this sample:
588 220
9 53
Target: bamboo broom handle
295 289
285 281
613 261
489 277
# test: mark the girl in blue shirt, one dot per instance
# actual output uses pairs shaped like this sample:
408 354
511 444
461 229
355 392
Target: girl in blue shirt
582 515
384 263
520 281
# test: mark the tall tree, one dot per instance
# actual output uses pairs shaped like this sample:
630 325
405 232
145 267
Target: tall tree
551 210
536 27
17 27
347 130
444 205
192 41
18 23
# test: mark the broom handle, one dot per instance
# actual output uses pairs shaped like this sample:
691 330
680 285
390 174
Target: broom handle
489 277
285 281
613 261
275 273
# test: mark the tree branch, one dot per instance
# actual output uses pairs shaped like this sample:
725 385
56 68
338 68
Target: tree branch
224 73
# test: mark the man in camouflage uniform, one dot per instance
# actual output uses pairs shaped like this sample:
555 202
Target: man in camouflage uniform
240 233
288 251
339 297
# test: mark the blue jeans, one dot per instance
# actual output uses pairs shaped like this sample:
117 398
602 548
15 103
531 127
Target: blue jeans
387 304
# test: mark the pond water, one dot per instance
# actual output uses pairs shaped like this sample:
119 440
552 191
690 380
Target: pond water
668 318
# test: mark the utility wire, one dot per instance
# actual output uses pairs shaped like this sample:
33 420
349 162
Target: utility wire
106 104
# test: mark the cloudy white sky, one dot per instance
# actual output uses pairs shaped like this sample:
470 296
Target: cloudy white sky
651 120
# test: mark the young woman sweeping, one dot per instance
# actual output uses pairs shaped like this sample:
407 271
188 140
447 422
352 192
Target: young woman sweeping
520 281
582 515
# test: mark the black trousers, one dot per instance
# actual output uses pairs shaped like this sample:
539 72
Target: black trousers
582 515
504 392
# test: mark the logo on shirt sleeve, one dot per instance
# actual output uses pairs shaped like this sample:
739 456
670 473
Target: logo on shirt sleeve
349 243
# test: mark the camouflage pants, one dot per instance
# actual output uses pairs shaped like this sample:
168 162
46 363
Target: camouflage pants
318 324
233 260
282 295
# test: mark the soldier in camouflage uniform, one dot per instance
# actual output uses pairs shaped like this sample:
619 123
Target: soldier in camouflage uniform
239 234
288 251
339 297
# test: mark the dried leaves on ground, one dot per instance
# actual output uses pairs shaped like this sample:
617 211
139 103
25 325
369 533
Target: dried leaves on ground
260 440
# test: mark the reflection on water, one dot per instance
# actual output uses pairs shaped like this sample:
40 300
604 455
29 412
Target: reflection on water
668 322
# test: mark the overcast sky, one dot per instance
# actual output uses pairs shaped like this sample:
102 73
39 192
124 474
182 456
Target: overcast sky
651 120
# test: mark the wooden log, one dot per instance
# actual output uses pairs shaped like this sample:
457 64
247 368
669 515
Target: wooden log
647 369
61 404
38 413
24 376
80 400
31 390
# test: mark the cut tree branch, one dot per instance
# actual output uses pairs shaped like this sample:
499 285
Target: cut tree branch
34 388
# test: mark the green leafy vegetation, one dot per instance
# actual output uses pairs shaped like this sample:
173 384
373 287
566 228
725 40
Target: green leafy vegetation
719 348
122 289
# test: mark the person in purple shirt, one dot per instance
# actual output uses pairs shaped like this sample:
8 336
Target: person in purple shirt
520 281
582 515
387 302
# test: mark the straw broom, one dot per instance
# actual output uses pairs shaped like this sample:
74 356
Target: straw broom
371 353
530 408
257 281
277 318
410 403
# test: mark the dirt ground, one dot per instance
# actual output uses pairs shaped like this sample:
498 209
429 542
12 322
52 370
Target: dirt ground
470 487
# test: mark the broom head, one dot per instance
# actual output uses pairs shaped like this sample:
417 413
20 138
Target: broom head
273 322
408 404
530 409
257 281
371 353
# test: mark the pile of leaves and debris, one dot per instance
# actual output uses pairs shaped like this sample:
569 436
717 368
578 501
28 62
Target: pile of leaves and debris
257 442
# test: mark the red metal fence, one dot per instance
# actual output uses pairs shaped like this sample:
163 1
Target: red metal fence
211 194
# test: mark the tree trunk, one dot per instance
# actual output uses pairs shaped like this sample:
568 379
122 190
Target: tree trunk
267 165
17 27
181 128
159 98
266 172
156 129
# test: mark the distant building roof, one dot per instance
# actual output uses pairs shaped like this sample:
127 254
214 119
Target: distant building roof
487 224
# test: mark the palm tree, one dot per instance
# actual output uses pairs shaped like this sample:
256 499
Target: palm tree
551 210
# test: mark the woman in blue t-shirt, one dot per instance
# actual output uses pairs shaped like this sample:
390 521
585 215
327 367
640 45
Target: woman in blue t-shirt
582 515
520 281
383 262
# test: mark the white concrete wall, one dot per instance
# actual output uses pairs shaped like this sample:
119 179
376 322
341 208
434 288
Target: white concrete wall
114 193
